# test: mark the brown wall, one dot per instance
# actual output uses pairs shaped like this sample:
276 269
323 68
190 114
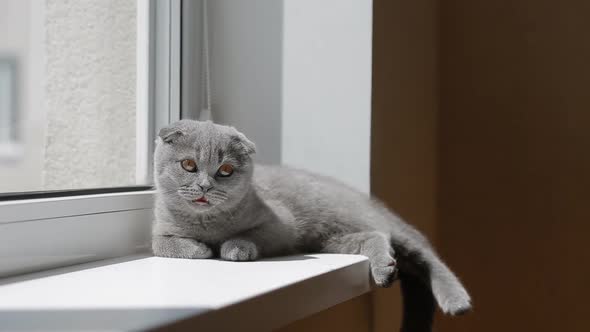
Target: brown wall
503 148
514 161
403 142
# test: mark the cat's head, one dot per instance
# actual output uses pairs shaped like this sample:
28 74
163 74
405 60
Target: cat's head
202 165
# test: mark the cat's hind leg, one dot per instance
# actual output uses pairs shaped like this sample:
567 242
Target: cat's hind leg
375 245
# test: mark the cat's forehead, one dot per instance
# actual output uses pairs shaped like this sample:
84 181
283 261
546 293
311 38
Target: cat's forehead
205 144
207 138
198 145
204 141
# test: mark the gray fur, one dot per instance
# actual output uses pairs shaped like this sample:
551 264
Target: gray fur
267 211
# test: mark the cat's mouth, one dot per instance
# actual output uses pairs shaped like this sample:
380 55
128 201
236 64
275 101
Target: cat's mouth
202 200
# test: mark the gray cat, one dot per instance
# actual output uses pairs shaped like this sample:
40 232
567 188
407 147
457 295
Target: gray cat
213 202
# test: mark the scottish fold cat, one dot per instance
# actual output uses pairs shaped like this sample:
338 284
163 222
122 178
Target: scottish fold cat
212 201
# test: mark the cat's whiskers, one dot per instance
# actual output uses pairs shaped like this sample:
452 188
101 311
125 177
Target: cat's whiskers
217 196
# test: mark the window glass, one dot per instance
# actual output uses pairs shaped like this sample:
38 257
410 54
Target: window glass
67 95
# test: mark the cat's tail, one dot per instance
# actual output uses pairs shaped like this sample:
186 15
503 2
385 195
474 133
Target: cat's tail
418 304
425 280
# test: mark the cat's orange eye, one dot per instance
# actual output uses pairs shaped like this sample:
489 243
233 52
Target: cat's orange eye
189 165
225 170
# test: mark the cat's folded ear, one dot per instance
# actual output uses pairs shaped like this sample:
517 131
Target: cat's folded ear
170 133
240 140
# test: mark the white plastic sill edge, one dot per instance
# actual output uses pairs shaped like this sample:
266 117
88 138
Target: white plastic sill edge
147 293
45 233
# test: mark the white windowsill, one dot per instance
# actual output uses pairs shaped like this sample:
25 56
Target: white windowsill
143 292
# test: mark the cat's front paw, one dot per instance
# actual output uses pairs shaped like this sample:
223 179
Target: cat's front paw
180 247
239 250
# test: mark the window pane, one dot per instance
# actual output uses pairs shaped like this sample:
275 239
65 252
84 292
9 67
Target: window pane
67 94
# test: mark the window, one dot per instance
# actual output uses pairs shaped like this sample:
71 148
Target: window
72 100
78 117
89 82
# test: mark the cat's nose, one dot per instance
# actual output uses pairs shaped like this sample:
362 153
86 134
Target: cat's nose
205 187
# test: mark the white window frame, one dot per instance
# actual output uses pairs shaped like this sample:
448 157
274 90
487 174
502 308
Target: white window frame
49 232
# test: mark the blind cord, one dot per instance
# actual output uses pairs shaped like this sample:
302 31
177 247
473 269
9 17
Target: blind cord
205 113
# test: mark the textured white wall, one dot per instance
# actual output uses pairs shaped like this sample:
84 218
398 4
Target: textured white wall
326 90
90 93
